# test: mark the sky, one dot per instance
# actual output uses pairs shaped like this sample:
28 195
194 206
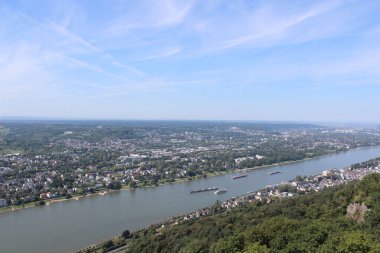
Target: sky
191 60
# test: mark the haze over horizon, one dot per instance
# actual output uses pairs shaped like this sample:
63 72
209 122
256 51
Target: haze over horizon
80 119
314 61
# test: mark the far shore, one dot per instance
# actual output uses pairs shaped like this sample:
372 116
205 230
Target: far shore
125 187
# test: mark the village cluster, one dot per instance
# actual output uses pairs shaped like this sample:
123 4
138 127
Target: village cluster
300 185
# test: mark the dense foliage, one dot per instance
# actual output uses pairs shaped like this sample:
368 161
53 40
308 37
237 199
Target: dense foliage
315 222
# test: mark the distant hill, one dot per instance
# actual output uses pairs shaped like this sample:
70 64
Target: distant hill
261 126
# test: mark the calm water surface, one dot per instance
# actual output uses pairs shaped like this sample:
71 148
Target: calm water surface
71 225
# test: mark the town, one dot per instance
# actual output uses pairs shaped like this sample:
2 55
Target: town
298 186
40 162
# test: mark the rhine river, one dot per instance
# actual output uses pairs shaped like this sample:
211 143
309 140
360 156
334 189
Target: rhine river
71 225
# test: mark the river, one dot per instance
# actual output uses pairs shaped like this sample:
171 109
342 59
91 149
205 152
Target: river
70 225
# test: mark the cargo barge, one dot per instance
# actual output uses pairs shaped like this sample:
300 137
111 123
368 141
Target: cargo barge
205 190
240 176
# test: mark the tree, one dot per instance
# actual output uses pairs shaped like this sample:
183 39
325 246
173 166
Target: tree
114 185
108 244
126 234
256 248
132 184
231 245
354 241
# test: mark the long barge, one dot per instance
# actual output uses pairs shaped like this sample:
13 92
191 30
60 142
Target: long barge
274 173
205 190
240 176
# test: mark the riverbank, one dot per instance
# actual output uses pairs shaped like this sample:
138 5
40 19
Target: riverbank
267 195
94 220
125 187
46 203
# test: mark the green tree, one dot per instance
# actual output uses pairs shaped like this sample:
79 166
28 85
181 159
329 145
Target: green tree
256 248
108 244
132 184
231 245
126 234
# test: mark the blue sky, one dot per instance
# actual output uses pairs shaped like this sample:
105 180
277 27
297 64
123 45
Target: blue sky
205 60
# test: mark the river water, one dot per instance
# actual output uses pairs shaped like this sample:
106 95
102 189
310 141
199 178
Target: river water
71 225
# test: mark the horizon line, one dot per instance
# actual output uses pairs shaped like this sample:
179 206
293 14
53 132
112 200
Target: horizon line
39 118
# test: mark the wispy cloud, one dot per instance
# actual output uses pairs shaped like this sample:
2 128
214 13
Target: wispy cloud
264 26
21 72
149 14
160 55
74 40
47 60
80 51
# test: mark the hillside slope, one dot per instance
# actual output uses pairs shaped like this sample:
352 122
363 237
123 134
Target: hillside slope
316 222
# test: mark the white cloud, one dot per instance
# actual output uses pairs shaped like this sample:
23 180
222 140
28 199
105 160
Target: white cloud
164 54
78 51
149 14
23 71
264 26
356 68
